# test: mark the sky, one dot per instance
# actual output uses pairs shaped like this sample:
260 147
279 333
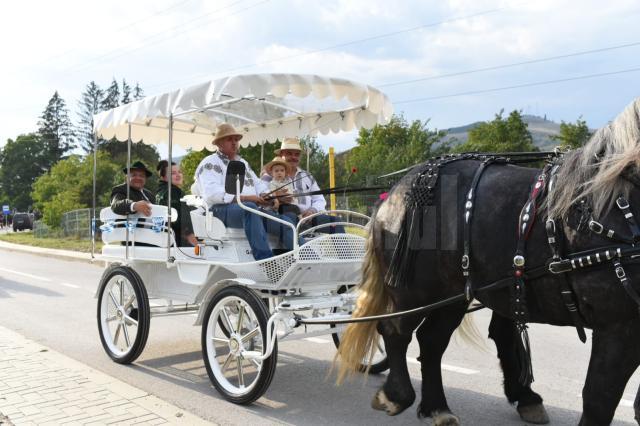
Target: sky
448 62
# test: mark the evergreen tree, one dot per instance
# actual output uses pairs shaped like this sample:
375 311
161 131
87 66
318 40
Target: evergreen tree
111 97
138 93
89 105
55 130
126 92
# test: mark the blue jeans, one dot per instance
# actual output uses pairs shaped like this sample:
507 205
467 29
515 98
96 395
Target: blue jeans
255 227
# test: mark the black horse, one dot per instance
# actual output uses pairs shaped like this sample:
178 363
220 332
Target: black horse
587 186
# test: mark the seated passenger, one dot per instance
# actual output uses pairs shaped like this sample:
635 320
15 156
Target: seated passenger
140 199
281 186
210 181
303 182
182 228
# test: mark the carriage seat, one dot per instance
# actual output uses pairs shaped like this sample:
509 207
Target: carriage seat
151 230
205 224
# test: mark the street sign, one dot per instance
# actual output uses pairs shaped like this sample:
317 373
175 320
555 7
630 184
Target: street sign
5 209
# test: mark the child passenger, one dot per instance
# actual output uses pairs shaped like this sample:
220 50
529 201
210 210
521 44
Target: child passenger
282 185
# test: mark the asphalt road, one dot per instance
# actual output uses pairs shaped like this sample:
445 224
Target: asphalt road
51 301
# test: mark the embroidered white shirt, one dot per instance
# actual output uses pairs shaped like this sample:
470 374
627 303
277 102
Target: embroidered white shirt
303 182
210 179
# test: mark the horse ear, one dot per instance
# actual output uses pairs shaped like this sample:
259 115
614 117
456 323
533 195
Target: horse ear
235 169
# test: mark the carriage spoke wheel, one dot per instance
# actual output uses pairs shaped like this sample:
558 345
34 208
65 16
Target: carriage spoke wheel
123 314
236 322
376 365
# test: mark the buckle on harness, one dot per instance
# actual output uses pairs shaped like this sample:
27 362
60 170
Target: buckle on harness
596 226
622 203
620 272
560 266
465 262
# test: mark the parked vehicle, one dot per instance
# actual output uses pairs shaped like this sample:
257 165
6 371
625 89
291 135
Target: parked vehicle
22 221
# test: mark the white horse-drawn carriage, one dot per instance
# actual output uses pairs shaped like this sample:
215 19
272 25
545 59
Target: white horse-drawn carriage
244 306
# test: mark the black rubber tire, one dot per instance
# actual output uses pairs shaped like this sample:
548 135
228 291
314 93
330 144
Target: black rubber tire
143 313
267 371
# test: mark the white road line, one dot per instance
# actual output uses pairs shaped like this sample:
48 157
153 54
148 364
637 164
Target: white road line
70 285
317 340
35 277
626 403
447 367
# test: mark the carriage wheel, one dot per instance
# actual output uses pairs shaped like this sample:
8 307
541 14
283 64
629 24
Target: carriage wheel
244 317
123 314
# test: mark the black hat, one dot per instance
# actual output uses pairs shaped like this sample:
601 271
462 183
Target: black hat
140 166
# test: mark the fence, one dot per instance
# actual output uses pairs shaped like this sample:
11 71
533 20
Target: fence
75 223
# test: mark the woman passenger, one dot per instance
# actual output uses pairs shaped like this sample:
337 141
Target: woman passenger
182 226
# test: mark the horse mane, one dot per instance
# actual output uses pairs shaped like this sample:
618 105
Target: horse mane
593 171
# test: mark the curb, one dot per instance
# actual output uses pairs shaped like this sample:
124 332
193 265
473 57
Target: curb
47 252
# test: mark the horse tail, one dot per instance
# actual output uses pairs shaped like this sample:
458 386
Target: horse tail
357 342
469 333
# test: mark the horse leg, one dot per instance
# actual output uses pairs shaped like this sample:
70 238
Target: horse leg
615 354
433 336
397 393
503 332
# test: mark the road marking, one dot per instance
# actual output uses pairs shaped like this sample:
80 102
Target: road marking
35 277
70 285
626 403
317 340
447 367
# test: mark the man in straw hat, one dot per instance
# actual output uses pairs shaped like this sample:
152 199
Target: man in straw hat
209 183
140 198
303 182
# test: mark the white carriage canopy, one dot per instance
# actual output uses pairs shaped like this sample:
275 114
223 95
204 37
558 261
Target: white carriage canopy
263 107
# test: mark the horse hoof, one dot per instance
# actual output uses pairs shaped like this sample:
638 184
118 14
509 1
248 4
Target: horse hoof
535 413
444 418
382 403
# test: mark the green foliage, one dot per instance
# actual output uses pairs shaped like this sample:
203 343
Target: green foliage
21 162
394 146
117 153
188 165
55 130
88 105
69 186
573 135
500 135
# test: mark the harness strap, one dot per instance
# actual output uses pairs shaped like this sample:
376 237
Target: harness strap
599 229
626 283
623 205
568 296
468 214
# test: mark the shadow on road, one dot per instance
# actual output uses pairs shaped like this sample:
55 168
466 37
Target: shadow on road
7 287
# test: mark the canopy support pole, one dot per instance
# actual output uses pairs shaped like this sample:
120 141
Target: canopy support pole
308 155
93 200
126 251
169 182
261 159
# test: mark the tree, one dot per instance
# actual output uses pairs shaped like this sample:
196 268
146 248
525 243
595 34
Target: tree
21 162
138 93
189 164
391 147
69 186
126 92
89 105
573 136
500 135
111 97
55 130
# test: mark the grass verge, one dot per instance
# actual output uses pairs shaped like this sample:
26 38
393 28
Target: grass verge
68 243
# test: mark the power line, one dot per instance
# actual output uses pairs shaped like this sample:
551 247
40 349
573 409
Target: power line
146 18
147 41
518 86
515 64
336 46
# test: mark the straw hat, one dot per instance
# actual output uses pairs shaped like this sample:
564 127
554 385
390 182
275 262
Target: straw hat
289 143
277 161
224 130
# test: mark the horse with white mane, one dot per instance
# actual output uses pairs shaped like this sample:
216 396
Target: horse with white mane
577 233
